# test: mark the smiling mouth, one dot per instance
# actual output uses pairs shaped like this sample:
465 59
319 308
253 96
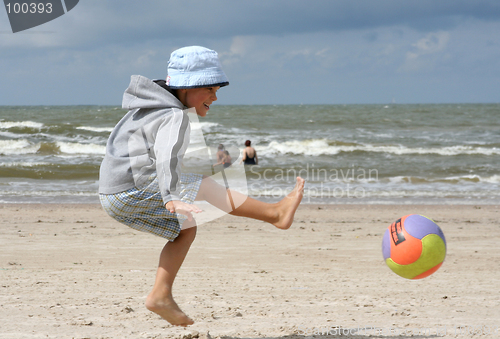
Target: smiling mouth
206 106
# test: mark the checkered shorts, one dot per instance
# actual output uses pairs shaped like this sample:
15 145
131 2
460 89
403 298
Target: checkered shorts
143 209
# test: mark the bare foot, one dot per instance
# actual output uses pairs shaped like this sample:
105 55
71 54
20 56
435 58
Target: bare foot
289 204
168 309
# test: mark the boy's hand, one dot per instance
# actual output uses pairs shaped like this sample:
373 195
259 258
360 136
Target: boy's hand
176 206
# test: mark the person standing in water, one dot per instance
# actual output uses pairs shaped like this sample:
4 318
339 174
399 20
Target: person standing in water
249 154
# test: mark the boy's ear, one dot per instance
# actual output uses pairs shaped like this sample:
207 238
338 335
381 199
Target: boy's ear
181 94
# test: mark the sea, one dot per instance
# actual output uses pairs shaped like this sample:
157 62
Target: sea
348 154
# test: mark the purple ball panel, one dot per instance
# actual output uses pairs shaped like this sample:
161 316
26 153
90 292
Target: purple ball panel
419 226
386 245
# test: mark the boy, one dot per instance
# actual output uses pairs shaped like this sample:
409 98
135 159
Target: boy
141 184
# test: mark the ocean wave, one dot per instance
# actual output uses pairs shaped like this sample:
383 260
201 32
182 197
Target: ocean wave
357 193
11 135
471 178
96 129
494 179
24 164
20 124
208 125
316 147
21 146
77 148
303 147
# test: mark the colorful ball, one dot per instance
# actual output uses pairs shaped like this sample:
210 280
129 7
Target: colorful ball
414 247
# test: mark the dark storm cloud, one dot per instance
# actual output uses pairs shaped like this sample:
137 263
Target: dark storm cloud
131 20
297 16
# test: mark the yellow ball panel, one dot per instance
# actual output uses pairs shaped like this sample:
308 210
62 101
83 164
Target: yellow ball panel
433 253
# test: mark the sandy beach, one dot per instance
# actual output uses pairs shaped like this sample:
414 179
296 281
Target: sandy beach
70 271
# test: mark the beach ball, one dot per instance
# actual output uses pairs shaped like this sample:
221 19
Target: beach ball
414 247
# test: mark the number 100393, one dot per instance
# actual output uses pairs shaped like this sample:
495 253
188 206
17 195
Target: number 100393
26 8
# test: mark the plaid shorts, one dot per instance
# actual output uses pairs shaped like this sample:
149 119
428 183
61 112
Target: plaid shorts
143 209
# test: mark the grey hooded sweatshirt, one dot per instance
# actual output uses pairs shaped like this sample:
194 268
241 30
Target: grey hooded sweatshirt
152 137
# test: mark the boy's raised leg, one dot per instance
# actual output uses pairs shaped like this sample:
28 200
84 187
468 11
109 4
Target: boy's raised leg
160 300
279 214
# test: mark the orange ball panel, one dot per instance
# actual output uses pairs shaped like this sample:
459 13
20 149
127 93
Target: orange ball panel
405 249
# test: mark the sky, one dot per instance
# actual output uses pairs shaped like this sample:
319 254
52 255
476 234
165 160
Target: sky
273 51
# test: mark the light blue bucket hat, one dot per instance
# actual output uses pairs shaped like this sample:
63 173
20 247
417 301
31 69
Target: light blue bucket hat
194 67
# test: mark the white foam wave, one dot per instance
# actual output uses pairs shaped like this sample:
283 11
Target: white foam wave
96 129
208 125
471 178
317 147
77 148
24 164
12 135
305 147
22 146
447 151
494 179
20 124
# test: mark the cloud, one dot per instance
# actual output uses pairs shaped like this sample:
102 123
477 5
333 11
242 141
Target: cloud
96 23
272 51
426 51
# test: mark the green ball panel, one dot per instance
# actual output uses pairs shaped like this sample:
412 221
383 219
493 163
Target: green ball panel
433 253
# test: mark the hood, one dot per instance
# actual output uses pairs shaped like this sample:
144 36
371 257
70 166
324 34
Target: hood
144 93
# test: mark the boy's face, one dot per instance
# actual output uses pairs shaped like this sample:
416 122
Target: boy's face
199 98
